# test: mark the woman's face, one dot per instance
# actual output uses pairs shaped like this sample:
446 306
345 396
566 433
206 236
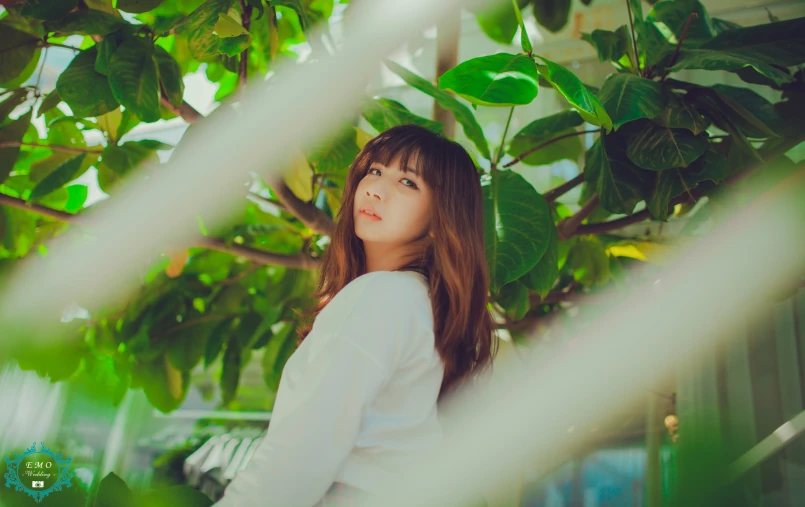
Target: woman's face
401 200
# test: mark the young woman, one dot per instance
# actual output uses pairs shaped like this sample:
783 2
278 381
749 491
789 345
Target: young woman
402 320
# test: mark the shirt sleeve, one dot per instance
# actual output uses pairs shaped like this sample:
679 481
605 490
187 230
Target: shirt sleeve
353 348
310 433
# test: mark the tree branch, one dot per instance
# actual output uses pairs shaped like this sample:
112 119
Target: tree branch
569 226
555 193
634 38
540 146
447 34
245 18
299 261
306 212
66 149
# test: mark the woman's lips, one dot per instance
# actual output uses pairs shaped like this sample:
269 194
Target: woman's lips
369 217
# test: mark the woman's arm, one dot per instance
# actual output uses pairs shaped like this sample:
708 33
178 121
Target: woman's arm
311 432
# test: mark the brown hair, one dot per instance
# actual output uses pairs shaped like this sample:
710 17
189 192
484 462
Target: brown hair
452 258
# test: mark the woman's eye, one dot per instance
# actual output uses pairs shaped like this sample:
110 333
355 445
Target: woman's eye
412 184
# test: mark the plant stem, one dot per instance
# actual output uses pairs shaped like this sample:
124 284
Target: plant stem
678 45
67 149
503 139
553 194
634 38
546 143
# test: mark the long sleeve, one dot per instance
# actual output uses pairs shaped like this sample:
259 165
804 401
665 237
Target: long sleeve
311 434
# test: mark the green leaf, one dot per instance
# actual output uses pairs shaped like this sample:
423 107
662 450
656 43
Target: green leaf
113 492
674 16
279 348
610 46
16 98
85 22
753 114
121 159
202 42
513 297
230 373
12 132
543 130
461 112
382 114
495 80
138 6
525 42
781 43
186 347
654 147
552 14
670 183
589 261
618 183
568 148
226 26
709 59
545 273
679 113
576 93
83 89
17 49
498 22
134 78
516 224
335 154
65 173
170 76
216 340
627 97
52 100
47 9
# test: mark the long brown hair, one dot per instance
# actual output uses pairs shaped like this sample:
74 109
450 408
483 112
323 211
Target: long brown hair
452 258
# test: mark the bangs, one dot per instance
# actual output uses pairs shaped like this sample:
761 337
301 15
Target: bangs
409 147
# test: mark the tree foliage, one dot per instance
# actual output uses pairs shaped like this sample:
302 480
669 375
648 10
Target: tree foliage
660 141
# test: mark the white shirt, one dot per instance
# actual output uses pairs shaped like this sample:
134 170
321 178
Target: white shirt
357 399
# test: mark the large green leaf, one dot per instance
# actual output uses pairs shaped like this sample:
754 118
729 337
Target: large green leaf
382 114
517 222
670 183
230 373
654 147
552 14
47 9
65 173
86 91
121 159
753 114
679 113
567 148
461 112
576 93
589 262
496 80
170 76
544 274
49 102
498 22
85 22
138 6
199 26
12 132
618 183
513 297
781 43
134 78
710 59
279 348
333 155
17 49
186 346
627 97
610 46
673 14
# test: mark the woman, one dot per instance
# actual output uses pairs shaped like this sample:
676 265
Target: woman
402 320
